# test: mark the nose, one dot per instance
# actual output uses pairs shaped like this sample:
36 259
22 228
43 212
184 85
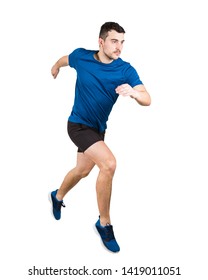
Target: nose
119 46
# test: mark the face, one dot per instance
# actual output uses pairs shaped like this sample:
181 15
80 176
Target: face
112 45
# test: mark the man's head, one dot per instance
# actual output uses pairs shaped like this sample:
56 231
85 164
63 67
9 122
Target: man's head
111 39
109 26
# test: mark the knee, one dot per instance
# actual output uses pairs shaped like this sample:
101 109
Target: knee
82 173
109 166
85 173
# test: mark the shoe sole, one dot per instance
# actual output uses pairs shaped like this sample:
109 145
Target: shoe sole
50 200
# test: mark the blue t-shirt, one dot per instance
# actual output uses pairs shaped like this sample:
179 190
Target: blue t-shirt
95 87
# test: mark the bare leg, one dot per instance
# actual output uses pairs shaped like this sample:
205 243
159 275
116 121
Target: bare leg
101 155
83 167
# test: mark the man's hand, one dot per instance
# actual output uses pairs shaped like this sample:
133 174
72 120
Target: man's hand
54 71
139 93
63 61
125 90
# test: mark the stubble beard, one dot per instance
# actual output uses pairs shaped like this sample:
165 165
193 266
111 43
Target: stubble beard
111 57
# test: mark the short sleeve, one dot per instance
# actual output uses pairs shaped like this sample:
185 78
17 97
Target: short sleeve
132 77
72 58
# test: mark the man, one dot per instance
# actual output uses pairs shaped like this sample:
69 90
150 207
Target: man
101 77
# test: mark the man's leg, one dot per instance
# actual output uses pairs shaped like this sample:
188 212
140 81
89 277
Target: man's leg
100 154
83 167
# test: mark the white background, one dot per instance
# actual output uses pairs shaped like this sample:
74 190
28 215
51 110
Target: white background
159 201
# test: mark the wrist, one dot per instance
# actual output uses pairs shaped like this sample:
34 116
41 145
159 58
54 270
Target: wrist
57 65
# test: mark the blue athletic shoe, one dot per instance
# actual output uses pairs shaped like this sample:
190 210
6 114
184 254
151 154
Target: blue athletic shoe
107 236
56 204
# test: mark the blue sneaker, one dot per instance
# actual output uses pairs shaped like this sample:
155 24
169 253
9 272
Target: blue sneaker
56 204
107 236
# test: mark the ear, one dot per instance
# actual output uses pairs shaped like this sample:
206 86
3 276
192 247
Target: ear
100 42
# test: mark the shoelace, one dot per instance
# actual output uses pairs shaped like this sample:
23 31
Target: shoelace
59 204
62 204
109 232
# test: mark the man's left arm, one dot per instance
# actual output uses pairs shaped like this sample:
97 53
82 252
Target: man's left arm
139 93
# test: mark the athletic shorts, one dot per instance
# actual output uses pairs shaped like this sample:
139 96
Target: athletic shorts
84 136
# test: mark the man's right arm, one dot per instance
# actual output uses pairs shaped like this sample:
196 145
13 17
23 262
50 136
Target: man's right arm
63 61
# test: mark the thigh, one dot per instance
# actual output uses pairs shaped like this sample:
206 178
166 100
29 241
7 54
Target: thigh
100 154
84 163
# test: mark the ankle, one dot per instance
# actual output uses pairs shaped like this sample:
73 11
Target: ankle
104 221
58 196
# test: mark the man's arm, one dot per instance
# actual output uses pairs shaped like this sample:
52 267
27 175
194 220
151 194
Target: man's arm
63 61
139 93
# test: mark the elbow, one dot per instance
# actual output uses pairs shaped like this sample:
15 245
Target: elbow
142 97
148 103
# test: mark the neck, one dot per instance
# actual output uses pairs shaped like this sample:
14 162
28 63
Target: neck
98 57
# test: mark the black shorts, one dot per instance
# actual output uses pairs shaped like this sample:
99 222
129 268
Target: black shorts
84 136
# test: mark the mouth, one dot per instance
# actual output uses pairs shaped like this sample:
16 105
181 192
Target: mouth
117 53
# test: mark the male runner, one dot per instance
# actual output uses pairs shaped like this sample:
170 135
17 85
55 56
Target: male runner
101 77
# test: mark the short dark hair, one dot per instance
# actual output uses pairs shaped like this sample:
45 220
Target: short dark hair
108 26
